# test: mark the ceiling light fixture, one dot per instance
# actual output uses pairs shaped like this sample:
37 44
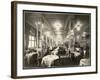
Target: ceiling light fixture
57 25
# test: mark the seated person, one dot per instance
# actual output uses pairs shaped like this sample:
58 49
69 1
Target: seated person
86 51
76 54
61 51
47 52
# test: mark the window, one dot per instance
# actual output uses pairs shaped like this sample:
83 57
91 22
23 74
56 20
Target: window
32 42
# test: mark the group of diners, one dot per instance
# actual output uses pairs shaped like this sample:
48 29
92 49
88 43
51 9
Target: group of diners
58 56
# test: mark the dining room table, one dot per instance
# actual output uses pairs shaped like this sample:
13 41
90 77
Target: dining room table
28 56
48 60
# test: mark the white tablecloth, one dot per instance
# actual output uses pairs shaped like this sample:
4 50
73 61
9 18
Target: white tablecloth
76 53
48 60
84 62
28 56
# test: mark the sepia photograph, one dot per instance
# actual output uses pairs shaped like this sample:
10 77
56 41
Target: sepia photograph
53 39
